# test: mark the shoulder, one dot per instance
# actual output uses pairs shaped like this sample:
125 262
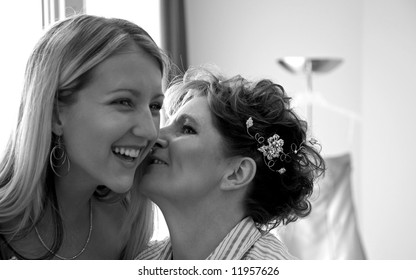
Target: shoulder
268 247
156 250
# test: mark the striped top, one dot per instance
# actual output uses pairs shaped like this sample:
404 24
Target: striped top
243 242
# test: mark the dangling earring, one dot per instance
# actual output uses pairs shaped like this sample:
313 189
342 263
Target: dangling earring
58 157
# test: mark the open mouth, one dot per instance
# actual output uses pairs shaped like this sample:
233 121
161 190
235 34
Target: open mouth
156 160
127 154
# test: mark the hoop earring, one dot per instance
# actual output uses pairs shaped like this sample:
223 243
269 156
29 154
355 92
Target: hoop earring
58 157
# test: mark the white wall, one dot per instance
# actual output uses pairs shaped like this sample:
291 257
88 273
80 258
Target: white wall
388 105
246 37
20 29
144 13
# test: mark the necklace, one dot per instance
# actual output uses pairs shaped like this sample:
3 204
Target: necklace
80 252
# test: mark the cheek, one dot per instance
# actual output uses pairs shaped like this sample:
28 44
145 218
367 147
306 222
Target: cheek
85 145
197 164
187 157
156 121
90 135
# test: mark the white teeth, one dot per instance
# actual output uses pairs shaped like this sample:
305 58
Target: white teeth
134 153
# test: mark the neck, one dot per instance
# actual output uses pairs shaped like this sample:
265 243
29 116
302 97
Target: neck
76 210
73 197
195 233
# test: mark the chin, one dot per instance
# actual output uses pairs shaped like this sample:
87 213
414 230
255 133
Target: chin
120 189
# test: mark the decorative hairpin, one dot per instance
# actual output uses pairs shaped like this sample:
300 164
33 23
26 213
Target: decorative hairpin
274 149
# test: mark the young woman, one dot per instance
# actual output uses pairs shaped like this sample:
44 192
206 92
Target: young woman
88 116
233 162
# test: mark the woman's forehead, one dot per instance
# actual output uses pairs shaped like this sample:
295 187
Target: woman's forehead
196 109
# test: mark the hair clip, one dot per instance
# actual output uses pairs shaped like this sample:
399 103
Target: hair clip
272 151
296 150
274 148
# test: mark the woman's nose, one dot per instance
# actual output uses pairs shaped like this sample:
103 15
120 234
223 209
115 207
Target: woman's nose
146 126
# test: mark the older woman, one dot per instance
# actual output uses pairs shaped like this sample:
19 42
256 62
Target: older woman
233 162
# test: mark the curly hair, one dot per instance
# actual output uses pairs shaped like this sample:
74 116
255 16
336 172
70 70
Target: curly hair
273 198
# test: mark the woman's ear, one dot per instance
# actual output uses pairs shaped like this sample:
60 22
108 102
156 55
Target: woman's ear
57 126
241 173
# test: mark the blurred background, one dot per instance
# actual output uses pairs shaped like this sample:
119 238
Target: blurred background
362 110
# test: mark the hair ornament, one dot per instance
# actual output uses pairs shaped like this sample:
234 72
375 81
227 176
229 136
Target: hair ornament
296 150
274 149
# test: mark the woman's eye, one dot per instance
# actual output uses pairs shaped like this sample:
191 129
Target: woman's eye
156 107
186 129
124 102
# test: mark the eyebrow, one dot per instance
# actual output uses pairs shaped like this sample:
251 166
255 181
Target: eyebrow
134 92
183 118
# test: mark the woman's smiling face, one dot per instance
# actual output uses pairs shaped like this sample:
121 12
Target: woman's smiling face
115 120
188 161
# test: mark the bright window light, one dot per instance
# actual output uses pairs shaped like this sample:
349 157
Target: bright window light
145 13
21 27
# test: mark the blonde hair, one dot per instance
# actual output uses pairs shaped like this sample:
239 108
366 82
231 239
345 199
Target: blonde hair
60 65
